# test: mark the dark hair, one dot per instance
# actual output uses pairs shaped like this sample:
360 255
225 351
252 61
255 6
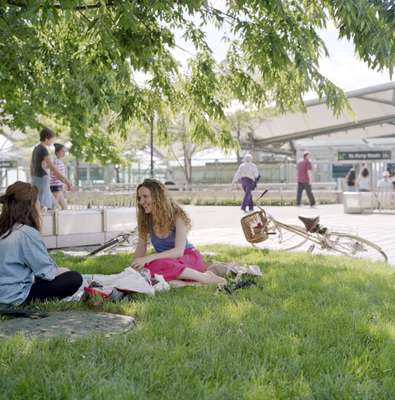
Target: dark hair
58 147
365 172
46 133
19 207
351 177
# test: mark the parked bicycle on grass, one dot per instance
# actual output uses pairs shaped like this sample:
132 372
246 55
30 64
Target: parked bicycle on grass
260 225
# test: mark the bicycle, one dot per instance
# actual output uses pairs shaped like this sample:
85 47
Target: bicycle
259 225
129 237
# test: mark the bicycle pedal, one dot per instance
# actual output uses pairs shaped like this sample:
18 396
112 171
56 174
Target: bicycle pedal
311 248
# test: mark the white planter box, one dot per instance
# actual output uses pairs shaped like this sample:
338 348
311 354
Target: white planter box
47 224
119 219
385 200
85 239
76 222
71 228
50 242
358 202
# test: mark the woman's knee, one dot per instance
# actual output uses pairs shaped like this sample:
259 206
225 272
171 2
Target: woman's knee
74 279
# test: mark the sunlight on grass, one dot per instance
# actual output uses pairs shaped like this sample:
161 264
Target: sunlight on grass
313 327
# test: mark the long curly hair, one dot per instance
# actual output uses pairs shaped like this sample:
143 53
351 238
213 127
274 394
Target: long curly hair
164 211
19 207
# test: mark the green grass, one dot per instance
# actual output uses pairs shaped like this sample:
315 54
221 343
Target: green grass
313 328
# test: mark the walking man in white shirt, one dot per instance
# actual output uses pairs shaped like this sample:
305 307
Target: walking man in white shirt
247 175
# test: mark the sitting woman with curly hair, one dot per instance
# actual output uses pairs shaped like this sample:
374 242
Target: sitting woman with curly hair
161 219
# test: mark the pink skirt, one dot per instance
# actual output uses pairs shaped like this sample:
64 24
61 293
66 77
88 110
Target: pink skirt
171 268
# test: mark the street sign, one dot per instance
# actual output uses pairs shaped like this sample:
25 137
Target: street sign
363 155
340 170
8 164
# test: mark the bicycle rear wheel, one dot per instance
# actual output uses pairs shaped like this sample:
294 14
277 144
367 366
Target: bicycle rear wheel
355 246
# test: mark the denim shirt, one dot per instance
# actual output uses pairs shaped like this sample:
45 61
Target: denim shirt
23 256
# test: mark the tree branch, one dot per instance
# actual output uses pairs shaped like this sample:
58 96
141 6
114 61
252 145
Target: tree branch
60 6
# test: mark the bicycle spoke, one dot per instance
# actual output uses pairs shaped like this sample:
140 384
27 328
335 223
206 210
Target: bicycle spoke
354 246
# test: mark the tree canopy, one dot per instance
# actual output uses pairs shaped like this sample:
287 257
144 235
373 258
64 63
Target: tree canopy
78 61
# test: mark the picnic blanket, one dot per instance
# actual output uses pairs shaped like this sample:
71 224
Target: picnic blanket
129 280
132 281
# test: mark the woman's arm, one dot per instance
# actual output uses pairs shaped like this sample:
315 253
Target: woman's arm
141 249
177 251
236 176
36 256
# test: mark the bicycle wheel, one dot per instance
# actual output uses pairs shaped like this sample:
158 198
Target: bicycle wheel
354 246
288 239
285 239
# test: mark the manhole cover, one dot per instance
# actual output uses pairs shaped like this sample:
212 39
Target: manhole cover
73 324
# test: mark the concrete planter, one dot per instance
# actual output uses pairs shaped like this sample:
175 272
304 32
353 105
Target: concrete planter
71 228
362 202
357 202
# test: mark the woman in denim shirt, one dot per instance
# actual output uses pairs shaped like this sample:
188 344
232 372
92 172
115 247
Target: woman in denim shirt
26 271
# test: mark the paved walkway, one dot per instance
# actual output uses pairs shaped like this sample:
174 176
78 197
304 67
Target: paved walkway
212 224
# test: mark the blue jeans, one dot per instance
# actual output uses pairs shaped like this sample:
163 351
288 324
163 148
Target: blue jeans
44 192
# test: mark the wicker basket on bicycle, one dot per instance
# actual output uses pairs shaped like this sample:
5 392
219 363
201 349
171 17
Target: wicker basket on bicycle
255 226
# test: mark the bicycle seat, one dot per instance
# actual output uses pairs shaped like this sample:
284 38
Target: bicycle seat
310 223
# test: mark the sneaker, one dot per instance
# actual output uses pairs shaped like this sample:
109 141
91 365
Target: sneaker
116 295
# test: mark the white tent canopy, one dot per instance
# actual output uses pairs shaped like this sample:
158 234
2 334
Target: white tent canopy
373 117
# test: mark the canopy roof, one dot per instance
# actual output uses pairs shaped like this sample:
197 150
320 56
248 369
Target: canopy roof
373 117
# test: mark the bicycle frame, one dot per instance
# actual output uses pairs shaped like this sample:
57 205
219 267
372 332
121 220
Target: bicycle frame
314 237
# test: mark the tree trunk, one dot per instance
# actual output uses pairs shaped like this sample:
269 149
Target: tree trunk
238 139
77 173
189 149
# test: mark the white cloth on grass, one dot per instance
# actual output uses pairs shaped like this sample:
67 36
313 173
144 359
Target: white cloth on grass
129 280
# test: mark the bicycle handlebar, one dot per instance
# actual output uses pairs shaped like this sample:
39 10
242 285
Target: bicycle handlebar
262 194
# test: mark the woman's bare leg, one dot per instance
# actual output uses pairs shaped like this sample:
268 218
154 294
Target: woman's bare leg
59 196
176 283
203 277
